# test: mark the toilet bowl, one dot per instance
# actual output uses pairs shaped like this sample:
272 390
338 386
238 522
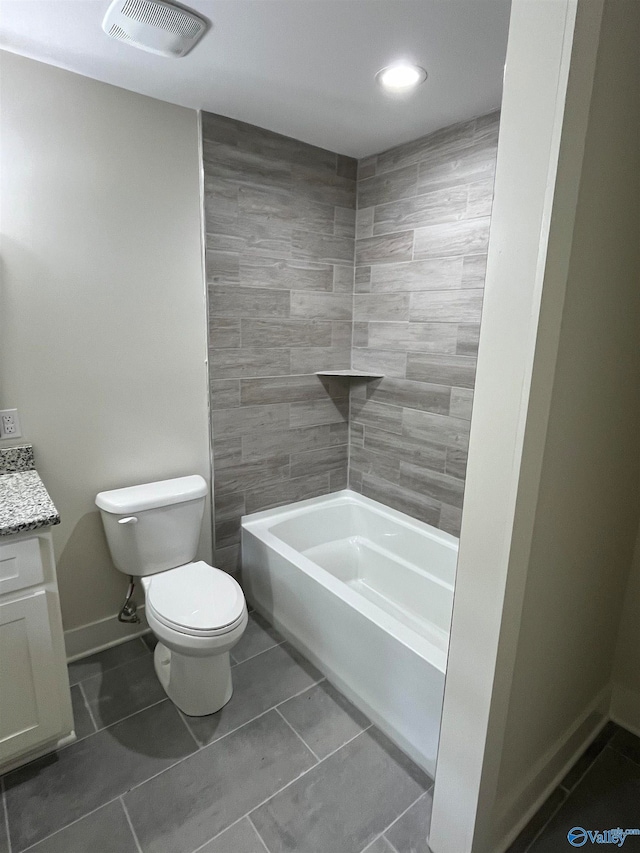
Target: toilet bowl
197 612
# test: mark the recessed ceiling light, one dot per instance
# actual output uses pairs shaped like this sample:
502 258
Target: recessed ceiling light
401 77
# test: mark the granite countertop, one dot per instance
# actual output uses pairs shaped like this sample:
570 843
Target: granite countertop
24 502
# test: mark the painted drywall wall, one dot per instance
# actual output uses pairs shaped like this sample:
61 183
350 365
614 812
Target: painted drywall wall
280 229
625 702
102 318
422 228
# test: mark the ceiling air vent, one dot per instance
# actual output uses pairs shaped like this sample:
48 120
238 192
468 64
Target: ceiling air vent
154 25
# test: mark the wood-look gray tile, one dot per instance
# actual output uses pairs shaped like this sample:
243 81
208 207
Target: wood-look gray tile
325 306
379 465
409 833
386 248
248 361
239 838
339 433
223 333
283 389
314 246
323 718
241 302
447 205
228 559
313 462
347 167
480 199
367 167
476 162
316 412
82 722
249 475
411 394
53 791
362 279
341 334
117 693
466 237
400 183
385 362
456 464
420 337
468 338
310 359
228 510
287 492
461 403
222 267
105 830
364 222
446 306
399 497
226 451
263 445
438 145
405 449
437 429
259 683
101 662
249 419
356 433
360 334
203 795
343 279
257 638
224 393
344 224
380 415
458 370
338 479
450 519
286 824
432 274
434 484
328 189
474 271
381 306
287 332
244 166
285 274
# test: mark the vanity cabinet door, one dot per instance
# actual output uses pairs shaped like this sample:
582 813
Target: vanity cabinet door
30 704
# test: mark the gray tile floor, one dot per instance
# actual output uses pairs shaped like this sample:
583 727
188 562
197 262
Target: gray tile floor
601 791
288 766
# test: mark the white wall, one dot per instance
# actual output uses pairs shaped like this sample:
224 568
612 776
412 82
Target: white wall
102 306
551 499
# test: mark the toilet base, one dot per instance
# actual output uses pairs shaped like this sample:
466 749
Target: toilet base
199 686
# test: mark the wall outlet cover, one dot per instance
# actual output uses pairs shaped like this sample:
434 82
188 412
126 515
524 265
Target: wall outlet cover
9 424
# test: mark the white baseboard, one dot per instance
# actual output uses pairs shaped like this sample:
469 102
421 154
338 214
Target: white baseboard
519 807
103 634
625 708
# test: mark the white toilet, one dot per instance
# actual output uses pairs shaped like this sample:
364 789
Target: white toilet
198 613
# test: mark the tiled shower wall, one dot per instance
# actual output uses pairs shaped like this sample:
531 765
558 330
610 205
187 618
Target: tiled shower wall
280 227
422 231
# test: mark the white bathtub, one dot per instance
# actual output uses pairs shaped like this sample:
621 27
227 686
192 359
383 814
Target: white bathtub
366 594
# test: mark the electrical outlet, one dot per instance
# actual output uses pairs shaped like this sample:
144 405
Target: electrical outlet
9 424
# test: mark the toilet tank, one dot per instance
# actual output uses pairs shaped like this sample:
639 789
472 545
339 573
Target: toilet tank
154 526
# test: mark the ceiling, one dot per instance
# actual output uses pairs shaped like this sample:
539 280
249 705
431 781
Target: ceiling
304 68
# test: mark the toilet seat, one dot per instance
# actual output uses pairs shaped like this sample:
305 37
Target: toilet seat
195 599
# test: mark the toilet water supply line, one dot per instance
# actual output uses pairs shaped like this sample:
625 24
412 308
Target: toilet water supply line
129 610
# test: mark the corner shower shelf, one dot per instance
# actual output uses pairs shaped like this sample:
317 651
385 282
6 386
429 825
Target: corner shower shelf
350 374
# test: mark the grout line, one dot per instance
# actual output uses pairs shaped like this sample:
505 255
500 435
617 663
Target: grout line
393 848
620 752
128 817
188 727
544 825
5 811
72 823
103 672
88 707
128 716
257 654
260 838
403 813
146 647
297 734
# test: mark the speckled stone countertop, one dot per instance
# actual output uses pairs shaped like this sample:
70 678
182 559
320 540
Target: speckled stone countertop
24 502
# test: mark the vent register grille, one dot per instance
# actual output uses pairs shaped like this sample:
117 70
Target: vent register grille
154 25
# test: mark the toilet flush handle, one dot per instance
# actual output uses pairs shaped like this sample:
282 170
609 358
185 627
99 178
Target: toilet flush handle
130 519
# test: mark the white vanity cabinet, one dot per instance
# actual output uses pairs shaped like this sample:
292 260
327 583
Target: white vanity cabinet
35 700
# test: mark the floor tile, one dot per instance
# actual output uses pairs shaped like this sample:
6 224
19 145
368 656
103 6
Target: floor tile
240 838
104 831
4 841
589 756
607 797
344 802
108 659
150 641
323 718
628 744
193 801
380 845
258 637
258 684
538 821
49 793
409 833
119 692
82 721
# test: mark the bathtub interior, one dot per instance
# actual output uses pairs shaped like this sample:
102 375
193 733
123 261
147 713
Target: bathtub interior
405 569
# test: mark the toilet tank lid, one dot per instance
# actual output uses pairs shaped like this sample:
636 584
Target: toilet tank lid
152 495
